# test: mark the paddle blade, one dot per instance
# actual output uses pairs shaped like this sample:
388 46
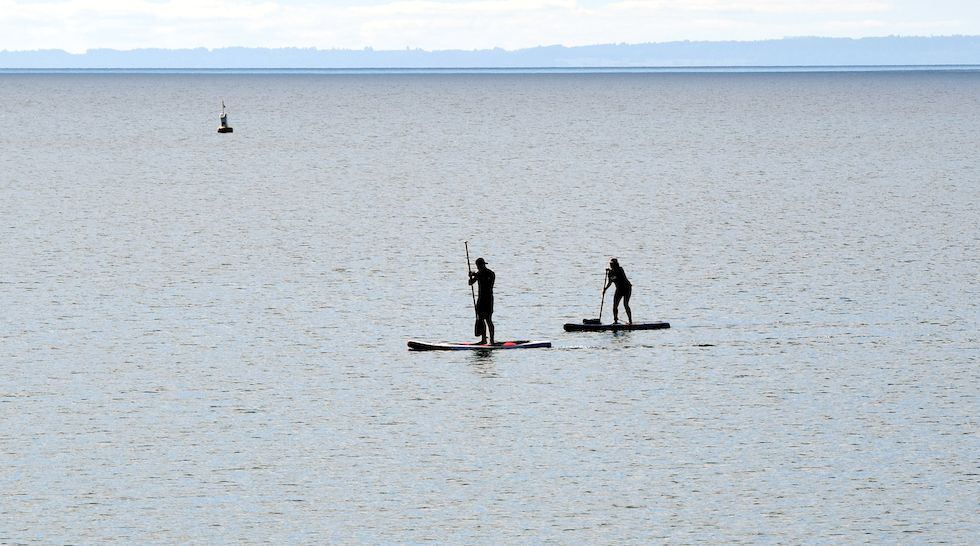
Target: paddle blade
479 328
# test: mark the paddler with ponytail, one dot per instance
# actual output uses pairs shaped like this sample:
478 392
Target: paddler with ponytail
616 275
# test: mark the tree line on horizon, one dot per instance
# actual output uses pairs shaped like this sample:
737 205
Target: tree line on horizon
803 51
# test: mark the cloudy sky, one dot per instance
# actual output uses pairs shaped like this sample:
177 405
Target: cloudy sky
78 25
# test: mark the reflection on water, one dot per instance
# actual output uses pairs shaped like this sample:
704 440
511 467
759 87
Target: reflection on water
482 363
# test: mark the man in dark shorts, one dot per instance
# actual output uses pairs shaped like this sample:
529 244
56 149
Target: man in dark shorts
484 278
616 275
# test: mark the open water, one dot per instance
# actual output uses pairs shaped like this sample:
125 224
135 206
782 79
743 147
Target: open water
202 336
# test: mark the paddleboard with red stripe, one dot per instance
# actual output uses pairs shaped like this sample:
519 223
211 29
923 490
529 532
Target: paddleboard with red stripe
414 345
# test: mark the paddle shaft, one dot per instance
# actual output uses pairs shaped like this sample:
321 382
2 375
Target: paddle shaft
478 328
603 301
470 269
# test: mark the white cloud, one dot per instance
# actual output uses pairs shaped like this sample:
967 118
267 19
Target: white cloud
77 25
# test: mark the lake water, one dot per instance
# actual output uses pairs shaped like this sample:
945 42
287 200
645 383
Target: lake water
203 336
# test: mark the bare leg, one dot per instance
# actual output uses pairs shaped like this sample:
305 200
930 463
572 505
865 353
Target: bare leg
490 330
626 305
616 299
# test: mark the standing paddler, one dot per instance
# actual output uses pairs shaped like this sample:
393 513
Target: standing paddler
616 275
484 278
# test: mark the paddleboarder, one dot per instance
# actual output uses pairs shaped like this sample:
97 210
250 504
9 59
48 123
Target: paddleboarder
616 275
484 278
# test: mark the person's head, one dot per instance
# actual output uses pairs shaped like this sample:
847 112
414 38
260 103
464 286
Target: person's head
481 263
613 263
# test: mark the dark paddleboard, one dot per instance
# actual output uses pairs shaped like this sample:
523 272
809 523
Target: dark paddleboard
616 327
461 346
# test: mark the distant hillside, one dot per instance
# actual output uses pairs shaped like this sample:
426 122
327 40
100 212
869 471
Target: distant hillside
894 50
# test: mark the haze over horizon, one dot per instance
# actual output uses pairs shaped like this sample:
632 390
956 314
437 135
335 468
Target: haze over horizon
77 26
802 52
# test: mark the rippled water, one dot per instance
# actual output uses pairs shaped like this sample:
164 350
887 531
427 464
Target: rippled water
203 336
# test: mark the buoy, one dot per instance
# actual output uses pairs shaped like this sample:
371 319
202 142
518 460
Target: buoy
223 121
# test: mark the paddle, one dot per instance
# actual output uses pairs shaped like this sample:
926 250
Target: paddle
478 327
601 304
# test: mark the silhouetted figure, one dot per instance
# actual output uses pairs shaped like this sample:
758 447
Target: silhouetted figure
484 278
616 275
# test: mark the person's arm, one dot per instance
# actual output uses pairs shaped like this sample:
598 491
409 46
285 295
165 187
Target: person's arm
609 279
472 277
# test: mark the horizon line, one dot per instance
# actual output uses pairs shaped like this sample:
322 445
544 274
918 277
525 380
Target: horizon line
371 49
811 68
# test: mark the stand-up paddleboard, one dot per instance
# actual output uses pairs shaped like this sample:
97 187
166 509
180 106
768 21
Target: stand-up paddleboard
462 346
591 327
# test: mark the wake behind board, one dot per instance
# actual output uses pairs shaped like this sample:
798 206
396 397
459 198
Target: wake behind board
571 327
462 346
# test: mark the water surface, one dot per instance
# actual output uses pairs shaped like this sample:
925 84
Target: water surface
203 336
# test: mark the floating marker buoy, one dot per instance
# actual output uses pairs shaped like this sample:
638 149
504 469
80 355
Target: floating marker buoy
223 121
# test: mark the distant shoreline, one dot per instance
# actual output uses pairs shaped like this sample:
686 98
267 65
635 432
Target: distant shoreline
506 70
809 52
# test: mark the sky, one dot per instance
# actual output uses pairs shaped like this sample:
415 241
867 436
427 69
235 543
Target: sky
79 25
